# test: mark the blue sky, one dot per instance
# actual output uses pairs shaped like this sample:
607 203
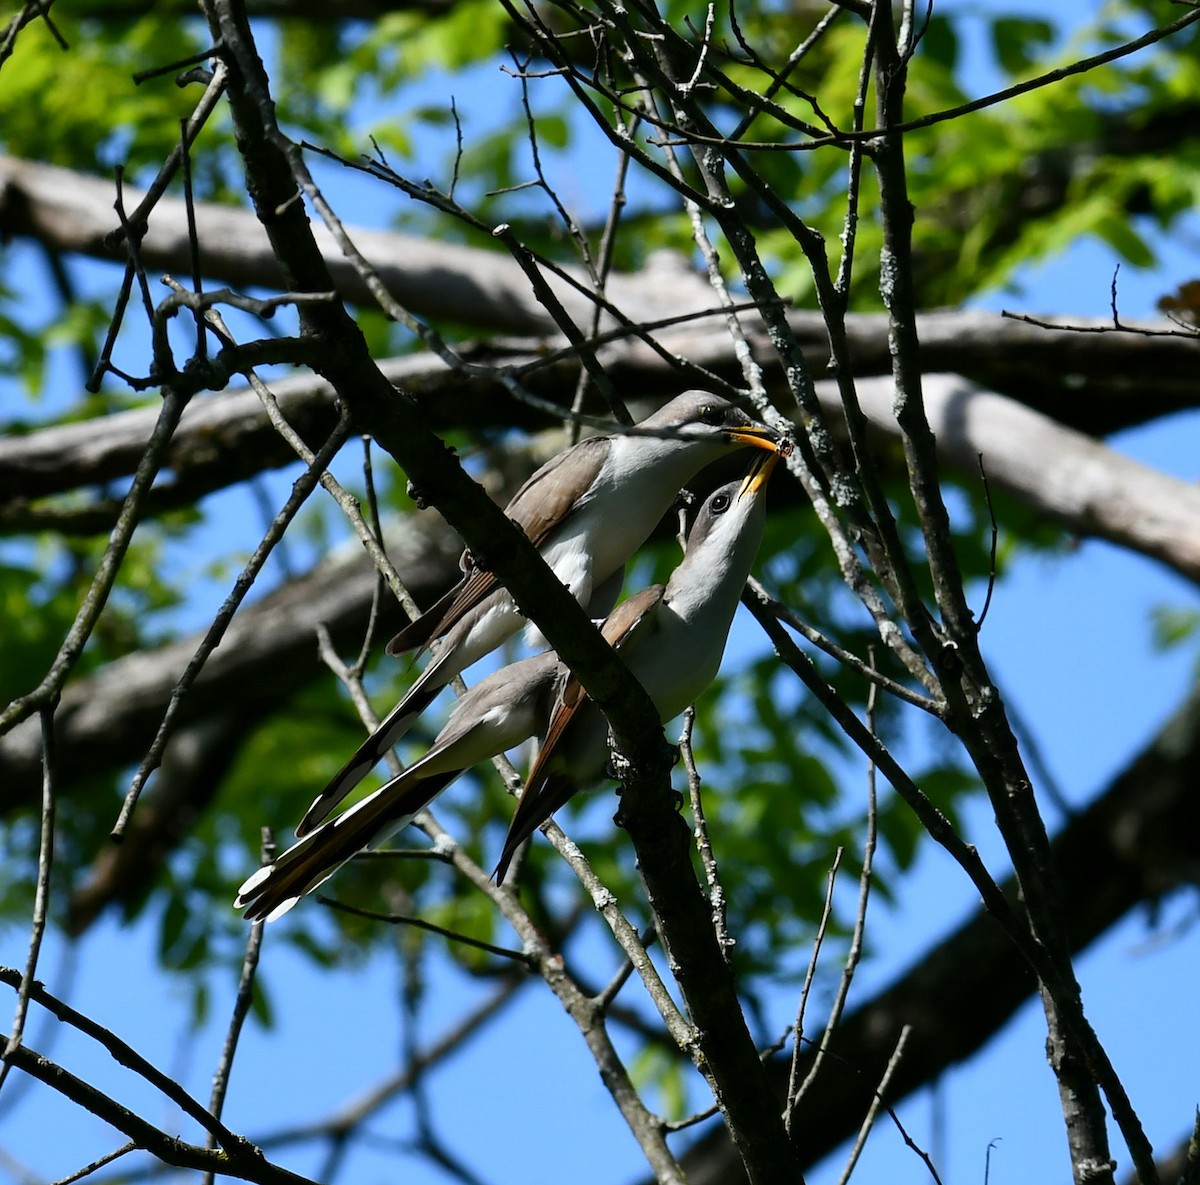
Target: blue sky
524 1104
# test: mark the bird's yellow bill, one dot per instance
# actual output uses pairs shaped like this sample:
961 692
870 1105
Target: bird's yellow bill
760 471
757 437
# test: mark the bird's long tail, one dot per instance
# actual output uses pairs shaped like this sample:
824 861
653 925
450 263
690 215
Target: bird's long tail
275 888
392 728
532 811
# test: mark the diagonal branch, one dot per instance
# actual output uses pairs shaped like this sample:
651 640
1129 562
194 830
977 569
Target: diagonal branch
245 1162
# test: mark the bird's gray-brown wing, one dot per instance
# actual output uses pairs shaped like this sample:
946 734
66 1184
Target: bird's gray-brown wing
546 789
624 626
553 490
443 616
537 508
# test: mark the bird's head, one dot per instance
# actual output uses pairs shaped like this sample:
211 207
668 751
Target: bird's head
703 416
729 525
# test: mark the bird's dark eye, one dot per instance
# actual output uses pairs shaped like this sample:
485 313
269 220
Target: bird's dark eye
720 503
712 413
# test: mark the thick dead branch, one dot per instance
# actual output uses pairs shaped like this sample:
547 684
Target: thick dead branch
1077 482
73 212
1094 382
229 431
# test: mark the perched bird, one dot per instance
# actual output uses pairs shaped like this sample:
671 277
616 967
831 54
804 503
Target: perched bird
673 637
587 510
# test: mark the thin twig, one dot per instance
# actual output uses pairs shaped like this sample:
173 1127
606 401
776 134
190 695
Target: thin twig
991 584
376 524
135 225
163 360
678 1125
30 11
710 16
630 941
303 487
41 897
854 165
241 1009
751 371
779 79
353 1114
370 539
793 1091
846 657
1082 66
600 273
716 893
550 302
642 331
605 997
189 206
564 215
699 140
403 854
932 819
395 919
124 1054
1188 333
99 1163
877 1102
854 954
239 1159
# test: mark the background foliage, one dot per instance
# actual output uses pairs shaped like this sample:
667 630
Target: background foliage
1105 157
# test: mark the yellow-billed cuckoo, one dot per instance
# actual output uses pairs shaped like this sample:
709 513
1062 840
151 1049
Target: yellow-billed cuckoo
587 510
672 636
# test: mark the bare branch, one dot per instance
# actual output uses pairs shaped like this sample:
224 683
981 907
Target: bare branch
241 1009
41 901
877 1102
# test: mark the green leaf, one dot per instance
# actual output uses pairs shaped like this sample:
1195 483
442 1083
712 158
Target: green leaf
1116 229
1172 626
939 42
663 1071
1017 41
